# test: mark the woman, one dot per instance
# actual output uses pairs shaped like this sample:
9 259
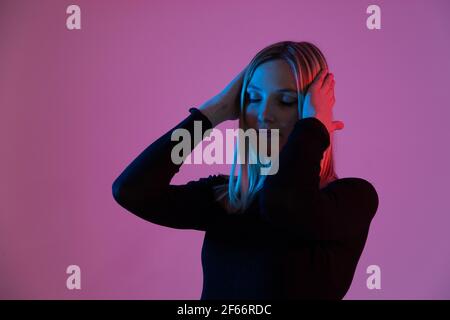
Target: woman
296 234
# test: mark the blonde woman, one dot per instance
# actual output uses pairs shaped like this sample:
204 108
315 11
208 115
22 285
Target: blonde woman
296 234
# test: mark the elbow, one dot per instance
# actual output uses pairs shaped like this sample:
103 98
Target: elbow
122 197
133 202
369 200
119 194
373 201
121 190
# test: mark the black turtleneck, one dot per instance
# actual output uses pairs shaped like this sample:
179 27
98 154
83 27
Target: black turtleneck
295 241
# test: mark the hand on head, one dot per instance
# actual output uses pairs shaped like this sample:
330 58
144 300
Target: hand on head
319 101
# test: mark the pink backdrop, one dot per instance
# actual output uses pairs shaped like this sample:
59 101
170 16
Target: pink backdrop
77 106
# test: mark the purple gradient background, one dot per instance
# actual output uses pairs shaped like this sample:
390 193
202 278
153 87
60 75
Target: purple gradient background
78 106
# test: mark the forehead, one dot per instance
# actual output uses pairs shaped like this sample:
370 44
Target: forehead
273 75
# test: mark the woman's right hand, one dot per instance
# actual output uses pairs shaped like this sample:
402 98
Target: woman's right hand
225 105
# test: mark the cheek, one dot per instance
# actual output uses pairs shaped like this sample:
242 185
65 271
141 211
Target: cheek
289 117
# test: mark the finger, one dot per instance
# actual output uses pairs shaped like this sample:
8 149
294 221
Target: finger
338 125
319 77
332 101
239 78
327 82
331 86
330 92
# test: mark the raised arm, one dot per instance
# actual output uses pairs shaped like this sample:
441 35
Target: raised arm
292 199
144 188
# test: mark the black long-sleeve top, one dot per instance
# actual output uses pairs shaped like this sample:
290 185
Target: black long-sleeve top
295 241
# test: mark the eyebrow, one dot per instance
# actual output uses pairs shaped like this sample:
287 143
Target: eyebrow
251 86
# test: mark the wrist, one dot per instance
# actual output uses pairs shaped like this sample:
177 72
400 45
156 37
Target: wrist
213 111
323 119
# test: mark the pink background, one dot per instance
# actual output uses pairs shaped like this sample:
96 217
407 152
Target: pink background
78 106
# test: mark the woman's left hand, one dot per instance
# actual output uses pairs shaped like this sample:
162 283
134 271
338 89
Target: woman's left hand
319 101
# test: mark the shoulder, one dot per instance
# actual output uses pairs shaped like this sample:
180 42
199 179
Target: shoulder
355 182
359 191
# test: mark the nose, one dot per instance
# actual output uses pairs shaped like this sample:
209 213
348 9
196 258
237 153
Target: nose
266 113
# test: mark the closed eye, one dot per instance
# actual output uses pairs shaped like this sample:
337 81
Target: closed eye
287 102
283 102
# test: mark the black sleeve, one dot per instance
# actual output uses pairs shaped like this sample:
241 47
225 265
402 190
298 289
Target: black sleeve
291 198
144 188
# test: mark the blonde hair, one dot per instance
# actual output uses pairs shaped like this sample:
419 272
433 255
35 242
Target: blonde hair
305 60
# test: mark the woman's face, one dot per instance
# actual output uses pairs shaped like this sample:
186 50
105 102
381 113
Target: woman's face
272 99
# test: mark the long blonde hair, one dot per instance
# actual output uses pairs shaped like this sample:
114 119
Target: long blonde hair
305 60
